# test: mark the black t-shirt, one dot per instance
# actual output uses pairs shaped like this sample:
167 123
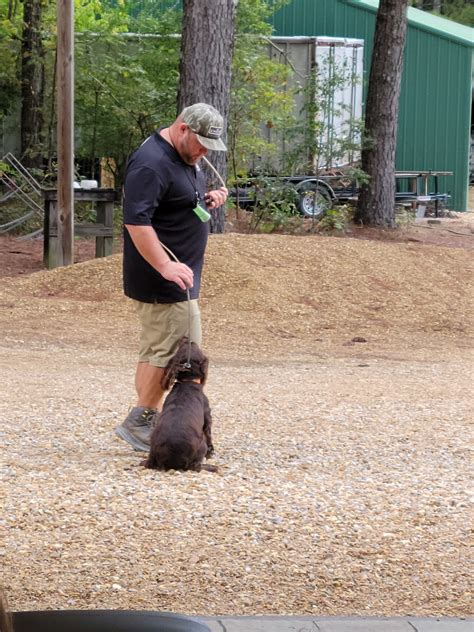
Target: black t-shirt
161 191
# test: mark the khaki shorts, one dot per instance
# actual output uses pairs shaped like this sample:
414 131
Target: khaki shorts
163 326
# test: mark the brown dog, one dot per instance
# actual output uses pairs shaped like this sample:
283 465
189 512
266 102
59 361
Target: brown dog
182 438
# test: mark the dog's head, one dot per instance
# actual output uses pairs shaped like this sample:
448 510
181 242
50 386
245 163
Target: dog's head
186 364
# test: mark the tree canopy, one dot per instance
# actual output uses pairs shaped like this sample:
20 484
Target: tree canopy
457 10
126 70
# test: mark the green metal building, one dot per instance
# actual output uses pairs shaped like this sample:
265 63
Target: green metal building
436 93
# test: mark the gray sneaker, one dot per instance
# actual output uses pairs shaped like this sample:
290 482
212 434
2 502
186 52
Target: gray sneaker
137 428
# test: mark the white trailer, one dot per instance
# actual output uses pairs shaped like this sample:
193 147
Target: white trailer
338 64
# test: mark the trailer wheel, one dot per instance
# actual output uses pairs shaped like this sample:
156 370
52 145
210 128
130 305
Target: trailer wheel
314 199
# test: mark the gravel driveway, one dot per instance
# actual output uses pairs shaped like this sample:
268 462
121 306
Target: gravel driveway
343 465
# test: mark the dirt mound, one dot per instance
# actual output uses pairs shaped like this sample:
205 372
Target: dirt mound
268 289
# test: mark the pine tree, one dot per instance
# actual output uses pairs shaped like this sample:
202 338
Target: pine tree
32 83
376 205
205 70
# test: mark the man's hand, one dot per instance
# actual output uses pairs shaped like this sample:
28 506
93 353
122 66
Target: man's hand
178 273
217 197
148 245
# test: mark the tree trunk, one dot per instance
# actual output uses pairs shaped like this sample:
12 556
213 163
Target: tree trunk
32 84
205 71
376 205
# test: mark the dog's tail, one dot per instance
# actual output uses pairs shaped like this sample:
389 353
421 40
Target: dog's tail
209 468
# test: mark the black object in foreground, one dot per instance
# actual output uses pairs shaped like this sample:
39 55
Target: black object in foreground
104 621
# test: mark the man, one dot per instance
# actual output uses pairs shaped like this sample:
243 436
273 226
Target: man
165 202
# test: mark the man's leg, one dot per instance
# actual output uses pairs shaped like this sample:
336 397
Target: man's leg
138 426
163 325
162 328
148 385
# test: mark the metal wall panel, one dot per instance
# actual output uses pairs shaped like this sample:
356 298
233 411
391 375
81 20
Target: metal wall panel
435 101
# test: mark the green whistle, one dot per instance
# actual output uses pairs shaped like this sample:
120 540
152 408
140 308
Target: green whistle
203 215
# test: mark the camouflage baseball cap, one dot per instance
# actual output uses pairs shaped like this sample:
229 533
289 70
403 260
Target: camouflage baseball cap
206 122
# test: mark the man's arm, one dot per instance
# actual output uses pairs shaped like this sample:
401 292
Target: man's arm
150 248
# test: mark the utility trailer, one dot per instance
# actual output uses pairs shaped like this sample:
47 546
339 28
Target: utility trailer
316 194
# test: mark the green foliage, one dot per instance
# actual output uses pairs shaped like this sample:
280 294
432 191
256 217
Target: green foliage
94 16
147 8
259 98
5 168
126 86
252 16
457 10
404 216
316 141
336 219
275 205
10 35
169 22
118 103
355 173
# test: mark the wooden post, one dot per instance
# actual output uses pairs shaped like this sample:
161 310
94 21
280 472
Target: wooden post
65 85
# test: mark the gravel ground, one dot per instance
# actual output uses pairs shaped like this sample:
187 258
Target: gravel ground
343 465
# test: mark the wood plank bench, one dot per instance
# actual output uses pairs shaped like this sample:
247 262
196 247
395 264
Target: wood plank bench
102 229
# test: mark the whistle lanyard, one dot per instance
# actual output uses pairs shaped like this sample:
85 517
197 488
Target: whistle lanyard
194 184
201 212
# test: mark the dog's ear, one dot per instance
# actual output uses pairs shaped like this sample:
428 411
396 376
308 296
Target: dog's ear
170 372
199 362
204 366
175 364
167 377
